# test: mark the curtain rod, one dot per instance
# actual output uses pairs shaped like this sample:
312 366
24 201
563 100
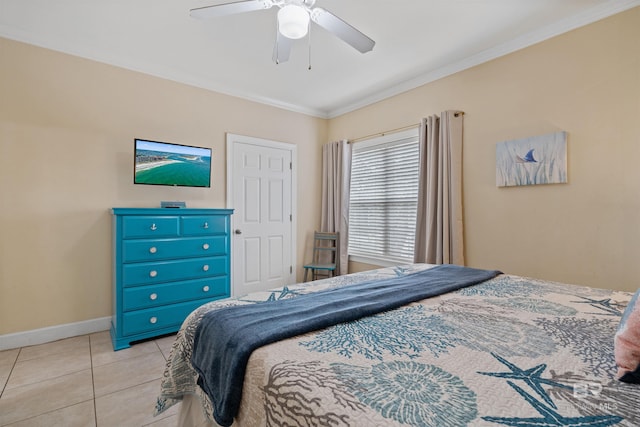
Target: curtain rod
456 114
383 133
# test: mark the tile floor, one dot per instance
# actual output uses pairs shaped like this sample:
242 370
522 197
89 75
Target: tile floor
82 382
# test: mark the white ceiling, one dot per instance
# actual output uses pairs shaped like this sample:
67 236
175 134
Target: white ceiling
417 41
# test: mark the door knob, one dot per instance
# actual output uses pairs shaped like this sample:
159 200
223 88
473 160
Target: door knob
238 231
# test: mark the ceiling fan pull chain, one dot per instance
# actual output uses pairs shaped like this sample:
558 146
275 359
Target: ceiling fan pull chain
277 45
309 44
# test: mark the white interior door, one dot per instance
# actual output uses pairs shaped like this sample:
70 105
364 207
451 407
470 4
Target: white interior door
260 189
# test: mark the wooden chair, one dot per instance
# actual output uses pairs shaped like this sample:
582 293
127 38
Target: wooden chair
326 256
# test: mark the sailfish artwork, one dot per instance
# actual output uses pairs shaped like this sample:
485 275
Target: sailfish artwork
528 158
545 161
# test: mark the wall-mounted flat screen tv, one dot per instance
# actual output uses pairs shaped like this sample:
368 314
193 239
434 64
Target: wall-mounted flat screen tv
163 163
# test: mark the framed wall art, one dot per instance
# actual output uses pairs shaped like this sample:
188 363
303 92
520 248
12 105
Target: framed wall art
531 161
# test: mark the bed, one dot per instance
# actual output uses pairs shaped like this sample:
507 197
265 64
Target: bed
509 350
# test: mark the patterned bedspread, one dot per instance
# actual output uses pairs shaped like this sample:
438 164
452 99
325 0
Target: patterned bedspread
510 351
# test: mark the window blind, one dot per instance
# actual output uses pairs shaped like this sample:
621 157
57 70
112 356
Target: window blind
384 198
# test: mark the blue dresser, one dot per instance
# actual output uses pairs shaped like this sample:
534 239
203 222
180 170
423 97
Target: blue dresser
167 262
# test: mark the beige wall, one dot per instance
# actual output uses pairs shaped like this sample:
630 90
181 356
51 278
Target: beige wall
67 124
66 136
586 82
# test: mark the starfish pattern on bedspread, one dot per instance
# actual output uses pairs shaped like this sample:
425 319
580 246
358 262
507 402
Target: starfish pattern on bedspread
551 418
532 377
529 326
401 270
611 308
274 295
285 292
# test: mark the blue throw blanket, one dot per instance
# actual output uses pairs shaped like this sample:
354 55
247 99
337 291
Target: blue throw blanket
225 338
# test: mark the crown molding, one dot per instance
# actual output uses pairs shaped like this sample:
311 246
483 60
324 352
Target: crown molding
563 26
592 15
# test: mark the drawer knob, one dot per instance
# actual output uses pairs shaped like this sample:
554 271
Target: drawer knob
153 320
153 273
205 267
153 227
206 225
205 289
205 246
153 297
153 250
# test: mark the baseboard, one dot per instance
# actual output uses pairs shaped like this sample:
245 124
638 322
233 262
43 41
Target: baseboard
53 333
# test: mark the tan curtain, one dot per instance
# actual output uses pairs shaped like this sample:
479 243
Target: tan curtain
439 233
336 177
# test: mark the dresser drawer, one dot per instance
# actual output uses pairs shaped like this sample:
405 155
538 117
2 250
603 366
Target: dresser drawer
140 297
140 321
147 273
159 249
150 226
202 225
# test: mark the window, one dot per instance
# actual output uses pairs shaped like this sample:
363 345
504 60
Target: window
384 198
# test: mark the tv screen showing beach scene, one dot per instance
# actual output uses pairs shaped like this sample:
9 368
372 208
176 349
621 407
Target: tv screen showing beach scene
163 163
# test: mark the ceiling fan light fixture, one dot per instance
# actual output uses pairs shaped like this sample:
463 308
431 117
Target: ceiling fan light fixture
293 21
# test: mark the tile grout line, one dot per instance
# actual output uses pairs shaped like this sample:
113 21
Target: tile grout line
40 380
4 387
30 417
44 413
93 383
92 367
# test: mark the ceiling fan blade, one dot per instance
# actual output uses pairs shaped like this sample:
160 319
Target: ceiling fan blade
346 32
230 8
282 49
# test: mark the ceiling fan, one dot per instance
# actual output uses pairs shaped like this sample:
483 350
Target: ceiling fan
293 22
